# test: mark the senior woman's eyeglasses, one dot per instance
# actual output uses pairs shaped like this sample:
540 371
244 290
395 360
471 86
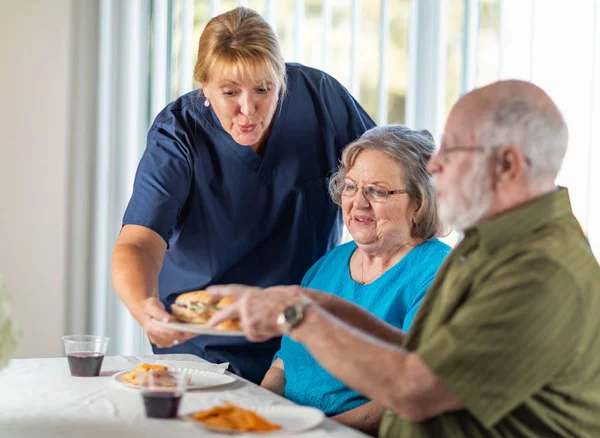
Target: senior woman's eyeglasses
372 193
444 154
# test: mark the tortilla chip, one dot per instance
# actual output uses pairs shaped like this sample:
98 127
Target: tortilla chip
232 417
130 376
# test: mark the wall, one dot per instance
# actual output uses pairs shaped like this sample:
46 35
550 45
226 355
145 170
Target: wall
34 125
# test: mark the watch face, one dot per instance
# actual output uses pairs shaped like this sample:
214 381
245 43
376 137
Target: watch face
291 314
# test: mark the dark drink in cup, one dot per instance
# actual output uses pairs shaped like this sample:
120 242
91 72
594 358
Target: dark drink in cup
161 404
162 392
85 354
85 364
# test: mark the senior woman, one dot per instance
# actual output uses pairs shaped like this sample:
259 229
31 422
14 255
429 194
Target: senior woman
232 187
388 204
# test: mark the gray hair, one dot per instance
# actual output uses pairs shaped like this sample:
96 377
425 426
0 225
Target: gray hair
539 132
411 150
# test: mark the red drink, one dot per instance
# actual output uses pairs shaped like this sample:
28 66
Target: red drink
86 364
161 404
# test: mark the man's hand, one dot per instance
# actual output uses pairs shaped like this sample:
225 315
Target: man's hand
256 308
151 308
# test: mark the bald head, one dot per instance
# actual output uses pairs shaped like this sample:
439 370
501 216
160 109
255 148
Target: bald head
489 100
520 114
497 92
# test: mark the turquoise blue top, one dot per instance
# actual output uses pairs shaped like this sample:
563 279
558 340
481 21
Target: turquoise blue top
393 297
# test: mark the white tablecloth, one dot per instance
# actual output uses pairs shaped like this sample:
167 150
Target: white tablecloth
39 398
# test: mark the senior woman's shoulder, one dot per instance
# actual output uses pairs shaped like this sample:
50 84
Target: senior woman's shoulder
431 253
435 247
421 265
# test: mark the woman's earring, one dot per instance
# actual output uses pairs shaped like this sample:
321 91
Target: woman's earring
206 102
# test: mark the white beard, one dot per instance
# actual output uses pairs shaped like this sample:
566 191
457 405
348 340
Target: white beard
467 203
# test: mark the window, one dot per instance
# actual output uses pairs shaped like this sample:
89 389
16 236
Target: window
432 51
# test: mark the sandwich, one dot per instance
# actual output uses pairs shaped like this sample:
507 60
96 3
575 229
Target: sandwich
231 324
198 307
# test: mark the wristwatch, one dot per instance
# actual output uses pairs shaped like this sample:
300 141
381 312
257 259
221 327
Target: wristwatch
292 315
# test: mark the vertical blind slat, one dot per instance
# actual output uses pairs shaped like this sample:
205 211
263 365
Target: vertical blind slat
354 67
185 50
471 30
127 151
426 90
103 174
214 8
271 13
326 12
298 30
441 63
158 85
384 42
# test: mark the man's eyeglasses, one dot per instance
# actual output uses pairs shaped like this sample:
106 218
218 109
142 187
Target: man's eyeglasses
443 154
372 193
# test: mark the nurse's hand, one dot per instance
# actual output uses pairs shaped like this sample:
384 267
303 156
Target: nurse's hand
256 308
151 308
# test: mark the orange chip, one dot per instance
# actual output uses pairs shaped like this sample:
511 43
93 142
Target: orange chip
149 367
130 376
233 417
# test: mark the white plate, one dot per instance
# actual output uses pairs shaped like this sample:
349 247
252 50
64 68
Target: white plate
187 365
292 419
199 379
201 329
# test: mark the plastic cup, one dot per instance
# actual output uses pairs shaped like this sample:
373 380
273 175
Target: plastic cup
85 354
162 392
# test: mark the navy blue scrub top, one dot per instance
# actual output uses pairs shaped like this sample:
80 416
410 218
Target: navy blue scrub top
230 216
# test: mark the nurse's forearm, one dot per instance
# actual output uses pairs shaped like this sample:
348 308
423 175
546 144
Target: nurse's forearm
134 276
356 316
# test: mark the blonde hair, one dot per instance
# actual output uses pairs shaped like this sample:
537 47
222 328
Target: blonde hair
242 45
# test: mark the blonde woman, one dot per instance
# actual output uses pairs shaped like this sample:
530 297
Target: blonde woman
232 187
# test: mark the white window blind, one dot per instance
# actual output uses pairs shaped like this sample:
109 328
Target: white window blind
405 61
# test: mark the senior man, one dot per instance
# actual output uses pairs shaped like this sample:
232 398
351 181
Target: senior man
506 342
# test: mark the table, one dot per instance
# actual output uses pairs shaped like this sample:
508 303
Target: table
39 398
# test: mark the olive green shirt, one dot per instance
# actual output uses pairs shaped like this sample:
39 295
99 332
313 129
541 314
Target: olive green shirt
511 325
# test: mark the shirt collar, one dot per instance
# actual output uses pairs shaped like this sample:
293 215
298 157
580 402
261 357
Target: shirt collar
521 221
